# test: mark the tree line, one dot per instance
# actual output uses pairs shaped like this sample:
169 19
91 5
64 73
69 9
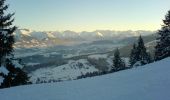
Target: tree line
139 55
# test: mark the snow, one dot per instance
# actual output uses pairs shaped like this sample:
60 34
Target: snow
50 34
32 64
1 79
152 43
25 32
149 82
39 35
16 64
49 54
99 34
3 70
126 60
29 53
69 55
3 32
110 63
65 72
80 35
99 56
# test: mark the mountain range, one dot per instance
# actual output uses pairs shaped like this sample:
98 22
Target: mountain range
29 38
48 53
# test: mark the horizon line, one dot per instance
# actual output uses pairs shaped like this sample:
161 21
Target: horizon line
85 30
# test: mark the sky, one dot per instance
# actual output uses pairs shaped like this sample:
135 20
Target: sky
89 15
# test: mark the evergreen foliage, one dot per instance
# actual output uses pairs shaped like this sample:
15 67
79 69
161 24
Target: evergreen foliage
162 48
133 55
15 75
139 56
118 63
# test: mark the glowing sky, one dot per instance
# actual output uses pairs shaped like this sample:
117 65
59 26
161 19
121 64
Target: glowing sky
89 15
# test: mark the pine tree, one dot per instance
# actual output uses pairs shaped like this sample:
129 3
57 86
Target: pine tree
149 58
117 61
162 48
6 31
133 55
14 75
139 55
141 50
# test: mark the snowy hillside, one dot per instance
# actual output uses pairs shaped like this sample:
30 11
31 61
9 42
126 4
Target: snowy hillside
68 71
150 82
33 51
72 69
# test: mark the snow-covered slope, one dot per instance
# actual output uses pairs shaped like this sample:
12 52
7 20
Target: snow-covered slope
72 69
68 71
150 82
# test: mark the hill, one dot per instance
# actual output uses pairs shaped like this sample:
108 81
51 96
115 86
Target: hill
149 82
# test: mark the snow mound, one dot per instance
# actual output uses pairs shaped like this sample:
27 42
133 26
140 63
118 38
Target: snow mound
149 82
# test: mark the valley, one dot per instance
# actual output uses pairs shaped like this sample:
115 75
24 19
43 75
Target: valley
77 53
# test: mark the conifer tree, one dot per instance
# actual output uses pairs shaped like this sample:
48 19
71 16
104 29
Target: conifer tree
141 50
133 55
117 61
139 55
6 30
10 72
162 48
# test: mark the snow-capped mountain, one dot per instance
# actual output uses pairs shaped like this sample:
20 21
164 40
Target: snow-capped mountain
36 57
29 38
